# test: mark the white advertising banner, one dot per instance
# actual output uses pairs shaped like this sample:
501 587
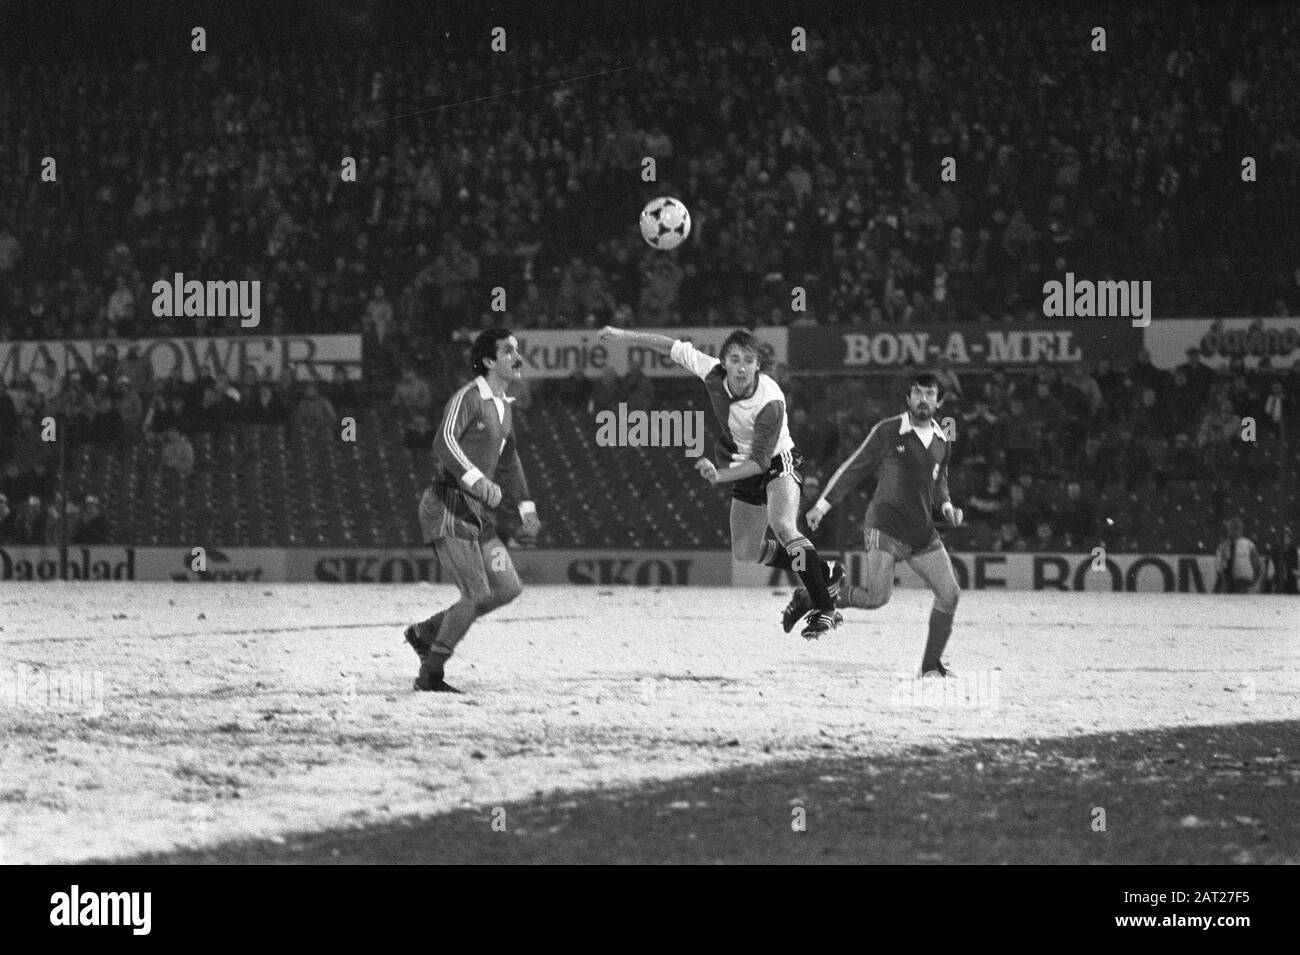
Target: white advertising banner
309 357
579 567
1219 340
552 353
1147 573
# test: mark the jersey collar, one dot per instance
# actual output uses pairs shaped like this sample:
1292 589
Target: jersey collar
485 390
906 426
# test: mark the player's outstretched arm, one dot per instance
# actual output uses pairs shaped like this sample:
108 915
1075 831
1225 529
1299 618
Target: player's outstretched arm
860 465
660 343
682 352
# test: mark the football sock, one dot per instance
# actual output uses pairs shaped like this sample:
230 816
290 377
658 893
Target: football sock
456 621
814 573
428 629
940 630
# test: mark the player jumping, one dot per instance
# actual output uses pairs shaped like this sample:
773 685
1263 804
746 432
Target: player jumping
766 469
910 455
475 444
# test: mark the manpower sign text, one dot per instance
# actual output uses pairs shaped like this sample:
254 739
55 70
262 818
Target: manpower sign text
307 356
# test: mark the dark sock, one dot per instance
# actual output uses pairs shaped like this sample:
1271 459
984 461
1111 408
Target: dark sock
429 628
434 662
815 572
940 630
813 576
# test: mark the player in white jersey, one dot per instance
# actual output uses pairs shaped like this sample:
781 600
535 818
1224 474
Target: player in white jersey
765 470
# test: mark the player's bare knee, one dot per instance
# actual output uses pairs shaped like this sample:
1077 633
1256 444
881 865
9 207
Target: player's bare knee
878 600
746 552
945 600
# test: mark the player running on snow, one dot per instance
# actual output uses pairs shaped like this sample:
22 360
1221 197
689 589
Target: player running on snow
475 444
909 455
766 469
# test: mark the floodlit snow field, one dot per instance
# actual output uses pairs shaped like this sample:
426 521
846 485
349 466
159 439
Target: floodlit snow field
146 718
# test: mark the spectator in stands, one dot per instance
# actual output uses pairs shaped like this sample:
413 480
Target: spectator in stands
6 520
1109 380
29 522
411 395
54 520
1021 511
990 503
314 414
1286 564
1132 462
1044 538
1238 562
1216 430
137 371
1021 438
131 409
1079 381
1144 375
1275 410
1045 418
1200 377
267 407
177 452
106 424
1009 539
93 528
1074 517
11 250
1182 405
121 304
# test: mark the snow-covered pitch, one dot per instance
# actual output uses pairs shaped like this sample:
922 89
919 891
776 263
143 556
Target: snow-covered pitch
276 722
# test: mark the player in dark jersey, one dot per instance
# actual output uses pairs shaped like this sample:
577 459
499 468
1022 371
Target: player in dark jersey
766 469
909 455
474 450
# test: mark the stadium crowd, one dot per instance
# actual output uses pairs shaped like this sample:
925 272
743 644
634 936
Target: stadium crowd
819 169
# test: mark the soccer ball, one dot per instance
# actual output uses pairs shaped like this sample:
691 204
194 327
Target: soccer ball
665 223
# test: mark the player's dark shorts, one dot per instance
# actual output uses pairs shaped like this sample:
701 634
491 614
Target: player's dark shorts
754 490
447 511
876 539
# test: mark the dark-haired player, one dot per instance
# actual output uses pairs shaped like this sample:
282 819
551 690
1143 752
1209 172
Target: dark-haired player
766 469
476 464
909 456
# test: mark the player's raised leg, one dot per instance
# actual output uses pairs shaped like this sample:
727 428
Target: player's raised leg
882 553
935 568
792 550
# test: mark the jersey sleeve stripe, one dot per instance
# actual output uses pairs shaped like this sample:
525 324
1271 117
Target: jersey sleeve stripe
839 472
449 430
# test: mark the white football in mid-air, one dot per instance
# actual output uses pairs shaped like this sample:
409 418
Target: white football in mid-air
665 223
